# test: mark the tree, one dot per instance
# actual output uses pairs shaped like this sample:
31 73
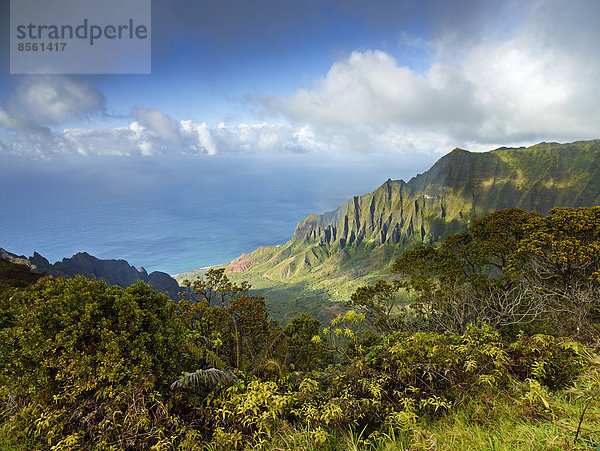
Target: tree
215 288
223 318
558 260
499 234
90 358
379 302
302 354
465 280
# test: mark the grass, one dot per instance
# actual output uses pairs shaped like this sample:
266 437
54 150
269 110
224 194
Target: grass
511 420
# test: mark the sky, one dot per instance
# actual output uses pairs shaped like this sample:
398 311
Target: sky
325 81
340 78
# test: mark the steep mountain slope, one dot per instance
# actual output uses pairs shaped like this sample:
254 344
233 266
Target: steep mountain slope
356 242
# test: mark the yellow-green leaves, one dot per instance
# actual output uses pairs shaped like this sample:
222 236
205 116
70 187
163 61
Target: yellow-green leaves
85 350
253 409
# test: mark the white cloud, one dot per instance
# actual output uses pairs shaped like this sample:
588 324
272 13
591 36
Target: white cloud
535 76
369 88
498 93
39 101
528 92
189 137
263 138
158 123
202 134
160 135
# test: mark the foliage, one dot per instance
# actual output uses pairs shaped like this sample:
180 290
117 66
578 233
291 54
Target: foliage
550 360
224 325
74 336
303 354
487 353
251 409
559 261
379 303
563 247
512 270
215 288
85 361
465 281
211 376
343 335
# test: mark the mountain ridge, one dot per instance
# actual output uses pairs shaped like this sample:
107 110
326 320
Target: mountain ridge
113 272
356 242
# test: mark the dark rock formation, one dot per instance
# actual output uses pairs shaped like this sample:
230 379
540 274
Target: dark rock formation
113 272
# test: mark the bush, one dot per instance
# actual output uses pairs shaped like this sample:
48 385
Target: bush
553 361
86 361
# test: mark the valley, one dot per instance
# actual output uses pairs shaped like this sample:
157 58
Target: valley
330 255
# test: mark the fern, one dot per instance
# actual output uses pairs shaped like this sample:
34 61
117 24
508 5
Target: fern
210 376
271 364
203 353
263 360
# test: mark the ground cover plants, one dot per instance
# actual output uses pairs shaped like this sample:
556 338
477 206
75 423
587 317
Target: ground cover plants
497 350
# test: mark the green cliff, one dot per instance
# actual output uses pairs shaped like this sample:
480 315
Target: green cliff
333 253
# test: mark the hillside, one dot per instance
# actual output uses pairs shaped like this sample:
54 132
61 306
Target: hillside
331 254
15 275
113 272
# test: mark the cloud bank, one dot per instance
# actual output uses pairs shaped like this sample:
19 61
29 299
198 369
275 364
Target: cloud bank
542 81
520 75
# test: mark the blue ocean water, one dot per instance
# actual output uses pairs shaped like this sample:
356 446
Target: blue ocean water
175 214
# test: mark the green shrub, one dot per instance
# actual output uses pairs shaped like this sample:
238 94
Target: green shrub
553 361
84 362
251 409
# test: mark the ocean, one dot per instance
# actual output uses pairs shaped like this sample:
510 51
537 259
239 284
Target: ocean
178 213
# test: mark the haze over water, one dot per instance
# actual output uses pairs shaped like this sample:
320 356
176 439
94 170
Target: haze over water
179 214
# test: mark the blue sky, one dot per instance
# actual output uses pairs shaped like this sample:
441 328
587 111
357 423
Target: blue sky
340 78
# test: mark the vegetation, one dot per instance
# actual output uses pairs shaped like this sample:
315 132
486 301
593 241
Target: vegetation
496 350
335 253
15 275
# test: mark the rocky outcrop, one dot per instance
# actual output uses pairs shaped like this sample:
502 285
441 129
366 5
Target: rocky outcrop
38 261
14 258
113 272
16 270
